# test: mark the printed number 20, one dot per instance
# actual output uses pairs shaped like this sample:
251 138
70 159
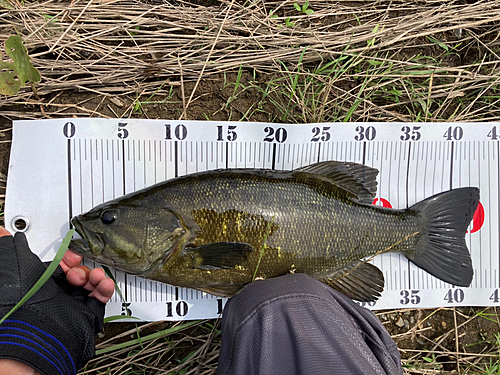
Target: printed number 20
280 136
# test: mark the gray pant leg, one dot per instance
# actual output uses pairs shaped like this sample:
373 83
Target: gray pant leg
295 324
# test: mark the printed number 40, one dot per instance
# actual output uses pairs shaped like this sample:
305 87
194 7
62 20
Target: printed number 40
454 295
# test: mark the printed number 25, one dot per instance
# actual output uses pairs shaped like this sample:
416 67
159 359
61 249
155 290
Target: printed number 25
325 135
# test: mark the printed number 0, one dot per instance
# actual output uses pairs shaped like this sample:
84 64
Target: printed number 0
69 130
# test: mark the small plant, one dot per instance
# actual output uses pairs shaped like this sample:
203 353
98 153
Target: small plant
16 74
304 9
138 104
288 20
289 23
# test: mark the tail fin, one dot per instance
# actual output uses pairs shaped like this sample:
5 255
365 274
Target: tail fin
441 250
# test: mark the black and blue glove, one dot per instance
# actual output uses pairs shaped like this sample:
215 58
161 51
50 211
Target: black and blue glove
53 332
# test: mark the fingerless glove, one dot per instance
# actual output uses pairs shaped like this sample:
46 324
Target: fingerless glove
53 332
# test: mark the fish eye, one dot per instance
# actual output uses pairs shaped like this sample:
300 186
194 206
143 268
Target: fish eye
108 216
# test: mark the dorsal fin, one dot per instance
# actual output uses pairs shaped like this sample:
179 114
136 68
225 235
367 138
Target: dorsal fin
358 179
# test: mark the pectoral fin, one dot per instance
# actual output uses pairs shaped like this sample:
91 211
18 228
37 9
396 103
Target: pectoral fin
219 255
360 281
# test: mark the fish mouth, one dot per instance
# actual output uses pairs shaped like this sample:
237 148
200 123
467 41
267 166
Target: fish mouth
80 246
90 243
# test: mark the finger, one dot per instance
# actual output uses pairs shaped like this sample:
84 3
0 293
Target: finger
95 277
78 276
70 260
4 232
104 290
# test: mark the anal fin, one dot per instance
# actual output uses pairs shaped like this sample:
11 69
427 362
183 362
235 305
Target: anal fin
360 281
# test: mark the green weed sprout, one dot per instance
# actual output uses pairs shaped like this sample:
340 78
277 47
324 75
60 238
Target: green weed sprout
304 9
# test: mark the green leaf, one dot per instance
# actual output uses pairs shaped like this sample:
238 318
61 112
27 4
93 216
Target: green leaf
289 23
309 11
423 104
46 275
297 7
440 44
9 85
6 5
118 317
17 51
305 6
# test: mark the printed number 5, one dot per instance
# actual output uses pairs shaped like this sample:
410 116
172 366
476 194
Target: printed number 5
122 132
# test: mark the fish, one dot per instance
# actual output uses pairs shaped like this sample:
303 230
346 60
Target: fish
218 230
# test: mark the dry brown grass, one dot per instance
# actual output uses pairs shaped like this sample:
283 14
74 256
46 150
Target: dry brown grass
118 48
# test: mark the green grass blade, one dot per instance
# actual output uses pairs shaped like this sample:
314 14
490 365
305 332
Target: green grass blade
117 288
118 317
46 275
153 336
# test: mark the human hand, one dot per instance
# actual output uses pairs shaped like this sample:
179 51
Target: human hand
53 332
95 281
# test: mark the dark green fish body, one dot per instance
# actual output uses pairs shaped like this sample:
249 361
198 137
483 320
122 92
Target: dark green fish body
217 231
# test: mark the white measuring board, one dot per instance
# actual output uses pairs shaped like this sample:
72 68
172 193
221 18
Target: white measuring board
60 168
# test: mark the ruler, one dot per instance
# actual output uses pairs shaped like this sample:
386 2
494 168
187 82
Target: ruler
60 168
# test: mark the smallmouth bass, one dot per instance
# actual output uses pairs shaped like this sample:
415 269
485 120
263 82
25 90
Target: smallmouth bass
216 231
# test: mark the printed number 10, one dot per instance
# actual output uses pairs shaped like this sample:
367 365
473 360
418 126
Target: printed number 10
181 308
